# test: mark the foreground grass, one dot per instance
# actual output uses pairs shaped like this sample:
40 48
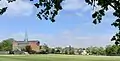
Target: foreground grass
58 58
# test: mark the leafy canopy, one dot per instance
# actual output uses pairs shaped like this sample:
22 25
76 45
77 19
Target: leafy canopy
104 6
48 9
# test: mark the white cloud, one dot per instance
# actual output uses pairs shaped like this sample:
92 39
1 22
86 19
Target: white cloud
17 8
70 38
3 3
80 7
79 14
72 5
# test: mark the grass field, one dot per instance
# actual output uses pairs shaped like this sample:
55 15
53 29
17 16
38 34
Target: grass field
57 58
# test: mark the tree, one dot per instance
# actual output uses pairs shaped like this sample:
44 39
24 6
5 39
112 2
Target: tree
89 50
112 50
49 10
58 50
118 51
1 46
101 51
104 6
68 50
7 44
44 49
79 51
29 49
95 50
52 51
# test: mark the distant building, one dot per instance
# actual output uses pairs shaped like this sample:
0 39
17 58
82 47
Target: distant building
20 45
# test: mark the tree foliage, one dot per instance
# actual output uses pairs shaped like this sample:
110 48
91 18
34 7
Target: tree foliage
2 10
48 9
6 45
95 50
113 50
44 49
104 6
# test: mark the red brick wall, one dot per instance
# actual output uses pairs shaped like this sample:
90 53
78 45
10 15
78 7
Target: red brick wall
34 45
14 43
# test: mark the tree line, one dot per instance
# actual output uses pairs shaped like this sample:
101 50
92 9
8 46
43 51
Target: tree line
109 50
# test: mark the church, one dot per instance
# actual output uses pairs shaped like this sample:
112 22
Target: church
19 45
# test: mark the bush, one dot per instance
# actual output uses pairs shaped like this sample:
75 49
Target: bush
29 50
43 52
32 52
11 52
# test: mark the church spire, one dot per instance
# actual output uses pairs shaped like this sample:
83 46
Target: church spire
26 37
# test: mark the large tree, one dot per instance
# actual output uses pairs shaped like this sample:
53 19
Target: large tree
48 9
44 49
112 50
104 6
6 45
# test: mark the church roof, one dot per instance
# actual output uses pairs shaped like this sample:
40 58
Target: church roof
27 41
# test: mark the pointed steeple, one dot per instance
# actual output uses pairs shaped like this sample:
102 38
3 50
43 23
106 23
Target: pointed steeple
26 37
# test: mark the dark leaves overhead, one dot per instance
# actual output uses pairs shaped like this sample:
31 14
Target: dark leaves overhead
3 10
37 5
48 9
9 1
103 6
113 38
31 0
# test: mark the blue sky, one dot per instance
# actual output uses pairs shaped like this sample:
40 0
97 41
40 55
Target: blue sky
73 25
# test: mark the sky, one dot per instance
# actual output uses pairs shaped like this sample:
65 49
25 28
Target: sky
73 25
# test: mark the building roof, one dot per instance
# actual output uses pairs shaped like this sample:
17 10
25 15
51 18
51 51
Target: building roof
27 41
24 42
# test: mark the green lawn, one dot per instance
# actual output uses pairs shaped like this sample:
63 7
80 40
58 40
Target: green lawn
58 58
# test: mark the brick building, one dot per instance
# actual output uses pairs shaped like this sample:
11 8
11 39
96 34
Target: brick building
19 45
